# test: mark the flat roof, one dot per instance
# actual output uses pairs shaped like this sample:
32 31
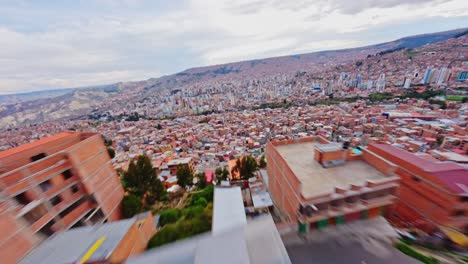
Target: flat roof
317 180
261 200
72 245
228 209
256 242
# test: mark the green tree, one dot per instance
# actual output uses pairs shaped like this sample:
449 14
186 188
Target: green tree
155 192
169 216
111 152
141 180
184 175
221 174
139 176
245 167
131 205
201 180
263 163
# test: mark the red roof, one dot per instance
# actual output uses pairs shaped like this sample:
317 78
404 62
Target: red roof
34 144
453 175
209 175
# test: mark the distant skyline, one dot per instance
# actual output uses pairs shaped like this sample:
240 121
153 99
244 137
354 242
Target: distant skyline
53 44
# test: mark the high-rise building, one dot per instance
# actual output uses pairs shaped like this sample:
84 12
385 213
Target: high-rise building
462 76
380 85
407 83
359 81
426 77
434 76
318 183
442 75
56 183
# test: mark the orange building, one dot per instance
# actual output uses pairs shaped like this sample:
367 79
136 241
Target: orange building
54 184
432 194
318 183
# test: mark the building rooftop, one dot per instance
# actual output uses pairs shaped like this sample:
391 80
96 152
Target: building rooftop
451 174
228 211
258 241
93 243
33 144
317 180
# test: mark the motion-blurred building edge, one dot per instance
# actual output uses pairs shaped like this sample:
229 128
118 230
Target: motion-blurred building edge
433 195
317 183
408 190
54 184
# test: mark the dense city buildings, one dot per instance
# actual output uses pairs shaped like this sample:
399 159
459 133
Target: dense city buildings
54 184
360 139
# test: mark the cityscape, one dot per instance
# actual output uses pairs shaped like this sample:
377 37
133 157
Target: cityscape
357 154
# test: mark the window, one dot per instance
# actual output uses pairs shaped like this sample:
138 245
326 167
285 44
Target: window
35 214
38 157
75 189
458 213
55 200
72 207
67 174
415 178
47 229
46 185
22 199
77 224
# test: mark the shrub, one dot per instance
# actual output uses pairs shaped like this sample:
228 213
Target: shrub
202 202
169 216
193 211
169 233
206 193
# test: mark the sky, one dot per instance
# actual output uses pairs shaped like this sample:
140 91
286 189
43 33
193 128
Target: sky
51 44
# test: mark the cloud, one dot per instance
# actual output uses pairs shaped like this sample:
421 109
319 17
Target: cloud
353 7
74 43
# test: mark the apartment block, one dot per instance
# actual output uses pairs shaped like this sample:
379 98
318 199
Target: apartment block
432 194
53 184
318 183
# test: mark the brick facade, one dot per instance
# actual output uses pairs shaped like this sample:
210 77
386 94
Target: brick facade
53 184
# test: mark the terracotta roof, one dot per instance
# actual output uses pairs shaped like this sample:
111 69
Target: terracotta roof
34 144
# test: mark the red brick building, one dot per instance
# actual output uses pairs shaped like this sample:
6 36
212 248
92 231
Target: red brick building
53 184
318 183
432 194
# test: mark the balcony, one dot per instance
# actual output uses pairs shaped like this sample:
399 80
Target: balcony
17 182
78 213
379 201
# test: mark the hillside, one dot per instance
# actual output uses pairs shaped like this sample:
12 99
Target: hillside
65 104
